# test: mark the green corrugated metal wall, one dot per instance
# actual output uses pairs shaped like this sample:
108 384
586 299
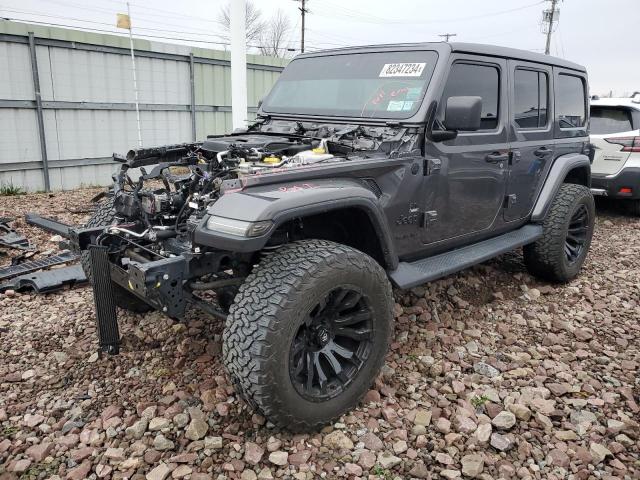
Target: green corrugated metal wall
85 79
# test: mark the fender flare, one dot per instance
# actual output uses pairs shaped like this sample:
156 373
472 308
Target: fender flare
557 174
367 205
270 203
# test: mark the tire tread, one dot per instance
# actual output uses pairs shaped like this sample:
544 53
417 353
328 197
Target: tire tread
259 309
544 258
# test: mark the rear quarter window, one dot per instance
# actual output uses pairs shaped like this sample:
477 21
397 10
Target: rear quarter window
605 120
570 101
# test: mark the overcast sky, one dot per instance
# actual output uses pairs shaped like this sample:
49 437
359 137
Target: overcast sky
602 35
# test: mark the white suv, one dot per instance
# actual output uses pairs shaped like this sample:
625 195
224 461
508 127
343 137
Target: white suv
615 134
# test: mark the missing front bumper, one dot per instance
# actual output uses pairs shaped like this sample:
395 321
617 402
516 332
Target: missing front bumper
158 283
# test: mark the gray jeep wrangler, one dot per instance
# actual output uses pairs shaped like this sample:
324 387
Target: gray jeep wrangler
366 168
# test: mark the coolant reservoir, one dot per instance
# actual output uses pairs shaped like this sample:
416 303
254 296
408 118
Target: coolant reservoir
307 157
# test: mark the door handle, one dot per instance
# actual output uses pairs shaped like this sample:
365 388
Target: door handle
543 152
496 157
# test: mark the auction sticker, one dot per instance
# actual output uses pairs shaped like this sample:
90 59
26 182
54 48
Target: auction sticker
395 106
402 69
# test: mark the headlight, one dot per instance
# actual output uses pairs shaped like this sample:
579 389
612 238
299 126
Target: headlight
238 228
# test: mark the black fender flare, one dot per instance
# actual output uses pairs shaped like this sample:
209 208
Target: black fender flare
280 203
558 172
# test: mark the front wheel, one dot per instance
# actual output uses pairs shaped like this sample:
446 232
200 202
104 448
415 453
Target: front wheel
567 230
308 332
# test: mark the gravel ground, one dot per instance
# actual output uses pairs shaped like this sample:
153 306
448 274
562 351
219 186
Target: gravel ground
491 374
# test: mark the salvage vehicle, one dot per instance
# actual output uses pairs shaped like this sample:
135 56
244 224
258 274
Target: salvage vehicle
615 134
365 168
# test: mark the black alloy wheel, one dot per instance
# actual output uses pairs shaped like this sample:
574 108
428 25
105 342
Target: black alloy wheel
567 230
331 346
308 332
577 233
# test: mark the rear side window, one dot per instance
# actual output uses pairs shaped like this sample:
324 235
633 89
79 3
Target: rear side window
606 120
570 101
530 98
466 79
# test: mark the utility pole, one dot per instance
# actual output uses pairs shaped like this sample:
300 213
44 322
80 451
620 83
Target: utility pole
549 17
446 36
303 11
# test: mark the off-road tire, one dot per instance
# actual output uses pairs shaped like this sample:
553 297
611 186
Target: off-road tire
270 307
546 258
104 215
634 208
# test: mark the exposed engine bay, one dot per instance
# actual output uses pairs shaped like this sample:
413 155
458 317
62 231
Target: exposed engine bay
168 202
152 238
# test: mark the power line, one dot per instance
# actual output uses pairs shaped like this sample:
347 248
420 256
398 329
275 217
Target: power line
339 11
193 32
101 30
168 14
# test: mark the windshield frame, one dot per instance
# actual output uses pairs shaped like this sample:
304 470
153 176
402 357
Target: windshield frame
265 110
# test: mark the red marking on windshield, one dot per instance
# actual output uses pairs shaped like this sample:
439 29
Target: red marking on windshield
378 97
400 91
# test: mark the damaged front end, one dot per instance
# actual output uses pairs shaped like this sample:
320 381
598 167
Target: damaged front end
161 242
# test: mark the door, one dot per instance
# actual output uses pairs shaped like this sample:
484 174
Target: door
465 195
531 127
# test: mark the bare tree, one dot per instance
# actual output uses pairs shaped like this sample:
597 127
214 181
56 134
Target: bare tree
254 24
275 36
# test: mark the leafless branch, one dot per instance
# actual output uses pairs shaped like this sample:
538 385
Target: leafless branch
254 24
274 39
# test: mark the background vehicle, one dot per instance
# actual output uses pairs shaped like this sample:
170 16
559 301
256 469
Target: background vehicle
367 166
615 133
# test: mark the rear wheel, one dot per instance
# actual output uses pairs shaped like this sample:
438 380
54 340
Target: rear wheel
104 215
308 332
567 231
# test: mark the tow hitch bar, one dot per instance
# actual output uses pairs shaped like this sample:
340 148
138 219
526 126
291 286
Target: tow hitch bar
106 317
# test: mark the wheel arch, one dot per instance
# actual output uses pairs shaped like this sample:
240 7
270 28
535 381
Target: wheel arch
356 223
572 168
357 206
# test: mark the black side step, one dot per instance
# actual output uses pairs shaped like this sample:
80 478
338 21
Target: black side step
106 317
48 224
408 275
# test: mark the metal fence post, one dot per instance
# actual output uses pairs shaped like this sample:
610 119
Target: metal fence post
193 96
36 88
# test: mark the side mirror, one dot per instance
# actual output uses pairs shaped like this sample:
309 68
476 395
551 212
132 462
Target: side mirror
463 114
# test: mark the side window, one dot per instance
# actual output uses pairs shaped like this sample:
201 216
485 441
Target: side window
530 98
467 79
570 104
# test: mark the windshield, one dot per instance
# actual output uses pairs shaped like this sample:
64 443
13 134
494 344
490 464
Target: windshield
369 85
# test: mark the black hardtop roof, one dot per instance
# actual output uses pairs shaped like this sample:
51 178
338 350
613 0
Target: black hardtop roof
444 47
